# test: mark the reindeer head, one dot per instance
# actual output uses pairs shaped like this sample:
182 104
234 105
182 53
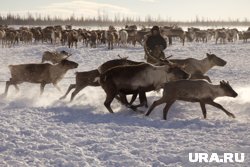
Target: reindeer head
216 60
63 52
67 64
228 90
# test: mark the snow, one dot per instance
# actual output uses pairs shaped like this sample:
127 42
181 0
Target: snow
44 131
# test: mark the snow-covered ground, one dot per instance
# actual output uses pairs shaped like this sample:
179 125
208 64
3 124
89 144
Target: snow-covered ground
44 131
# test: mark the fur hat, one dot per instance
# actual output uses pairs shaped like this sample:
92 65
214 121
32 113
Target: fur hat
155 28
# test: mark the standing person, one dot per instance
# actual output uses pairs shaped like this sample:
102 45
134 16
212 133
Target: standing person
154 46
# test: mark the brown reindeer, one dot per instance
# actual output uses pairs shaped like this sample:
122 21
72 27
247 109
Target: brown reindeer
26 36
197 68
93 39
37 33
201 36
141 36
173 31
39 73
90 78
220 34
55 57
72 38
194 91
47 34
132 35
10 37
140 78
110 39
2 35
245 36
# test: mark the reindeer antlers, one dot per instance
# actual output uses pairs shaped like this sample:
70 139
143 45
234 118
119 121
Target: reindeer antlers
122 57
224 82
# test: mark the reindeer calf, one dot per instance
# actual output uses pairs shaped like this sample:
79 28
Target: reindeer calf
194 91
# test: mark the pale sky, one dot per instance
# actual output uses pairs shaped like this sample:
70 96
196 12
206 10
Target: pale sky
180 10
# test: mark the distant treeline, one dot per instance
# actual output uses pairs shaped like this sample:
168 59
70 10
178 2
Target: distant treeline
15 19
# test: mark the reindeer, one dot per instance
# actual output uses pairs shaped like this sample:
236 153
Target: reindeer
123 37
174 31
194 91
68 27
90 78
191 33
56 36
93 39
10 37
83 79
37 34
137 78
26 36
232 35
141 36
132 34
72 38
47 34
131 27
246 35
201 36
39 73
110 39
2 35
222 35
197 68
55 57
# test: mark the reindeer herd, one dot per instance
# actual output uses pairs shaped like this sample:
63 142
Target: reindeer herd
113 37
180 79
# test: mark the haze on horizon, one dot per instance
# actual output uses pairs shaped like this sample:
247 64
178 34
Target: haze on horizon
163 9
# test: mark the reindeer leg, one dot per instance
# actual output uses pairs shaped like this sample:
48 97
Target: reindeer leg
211 102
42 88
122 99
166 108
71 86
133 98
155 103
75 92
203 108
57 87
108 101
8 83
143 99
